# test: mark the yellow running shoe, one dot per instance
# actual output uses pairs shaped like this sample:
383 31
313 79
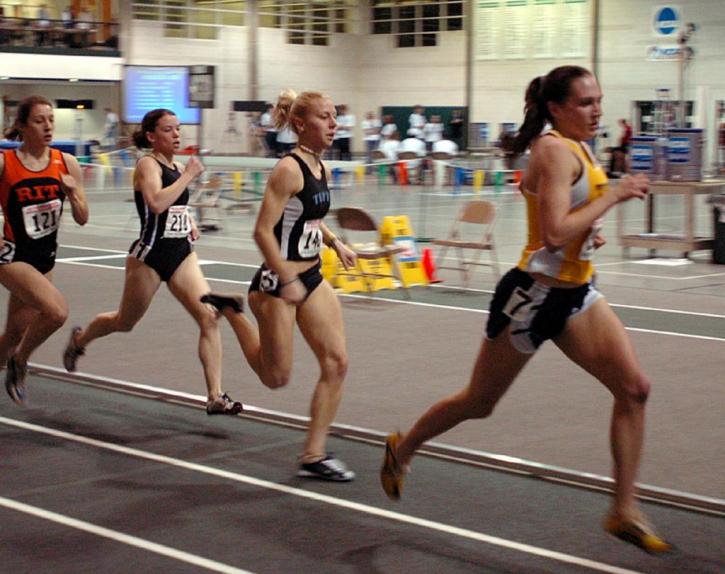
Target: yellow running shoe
391 473
637 532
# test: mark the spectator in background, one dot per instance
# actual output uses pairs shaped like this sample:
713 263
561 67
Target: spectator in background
371 129
416 145
343 136
432 132
85 19
85 24
42 22
389 128
455 127
445 146
618 157
270 132
286 137
68 17
110 128
389 146
416 120
4 35
721 140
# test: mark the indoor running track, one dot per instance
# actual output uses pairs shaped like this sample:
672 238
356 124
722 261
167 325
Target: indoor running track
98 481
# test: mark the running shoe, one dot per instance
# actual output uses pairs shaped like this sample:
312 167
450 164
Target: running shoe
329 468
72 351
220 301
637 532
223 405
392 473
15 380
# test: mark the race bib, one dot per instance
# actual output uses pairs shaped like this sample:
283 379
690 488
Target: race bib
178 222
7 252
518 305
268 281
311 239
42 219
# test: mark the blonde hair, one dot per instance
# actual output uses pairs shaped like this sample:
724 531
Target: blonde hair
290 105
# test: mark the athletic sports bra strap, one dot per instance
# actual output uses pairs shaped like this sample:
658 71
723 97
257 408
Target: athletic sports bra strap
306 168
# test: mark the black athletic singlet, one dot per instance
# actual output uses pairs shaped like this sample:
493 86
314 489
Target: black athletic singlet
298 230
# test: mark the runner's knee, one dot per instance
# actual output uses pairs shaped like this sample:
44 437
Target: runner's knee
334 366
479 410
634 392
125 324
56 313
275 378
208 322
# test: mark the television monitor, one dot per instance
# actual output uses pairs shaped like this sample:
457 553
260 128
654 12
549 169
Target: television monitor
149 87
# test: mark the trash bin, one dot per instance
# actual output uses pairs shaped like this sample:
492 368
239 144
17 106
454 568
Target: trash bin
718 244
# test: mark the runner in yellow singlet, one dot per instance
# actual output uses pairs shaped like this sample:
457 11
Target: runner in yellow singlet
549 295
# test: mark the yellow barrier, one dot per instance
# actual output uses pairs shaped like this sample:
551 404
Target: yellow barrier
396 230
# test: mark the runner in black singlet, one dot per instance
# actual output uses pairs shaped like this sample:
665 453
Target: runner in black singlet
163 253
289 288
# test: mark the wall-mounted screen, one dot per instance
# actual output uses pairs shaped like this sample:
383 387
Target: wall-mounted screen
149 87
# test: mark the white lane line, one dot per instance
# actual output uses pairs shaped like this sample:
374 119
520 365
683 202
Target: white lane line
116 536
93 248
660 310
372 510
82 261
671 334
97 265
90 258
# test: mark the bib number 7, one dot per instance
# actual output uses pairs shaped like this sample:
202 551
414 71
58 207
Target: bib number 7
518 305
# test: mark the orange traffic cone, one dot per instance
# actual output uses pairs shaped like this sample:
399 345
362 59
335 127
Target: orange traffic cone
402 173
429 267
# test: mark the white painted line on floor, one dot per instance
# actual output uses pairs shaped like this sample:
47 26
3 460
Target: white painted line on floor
97 265
90 258
116 536
83 261
678 262
301 493
671 334
663 277
93 248
660 310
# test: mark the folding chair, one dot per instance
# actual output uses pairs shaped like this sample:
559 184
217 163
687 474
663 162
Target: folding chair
472 213
207 198
358 220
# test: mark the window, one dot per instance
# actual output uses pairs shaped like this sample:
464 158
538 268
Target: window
454 20
146 10
415 22
382 20
305 22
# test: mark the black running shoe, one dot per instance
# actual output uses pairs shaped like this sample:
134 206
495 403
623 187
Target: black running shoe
15 380
72 351
220 301
223 405
329 468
